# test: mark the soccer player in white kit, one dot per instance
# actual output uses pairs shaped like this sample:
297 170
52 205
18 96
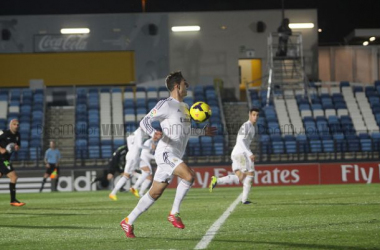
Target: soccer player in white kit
145 179
135 144
175 122
242 158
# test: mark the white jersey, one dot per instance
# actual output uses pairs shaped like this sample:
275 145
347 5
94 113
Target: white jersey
135 144
175 122
244 138
135 139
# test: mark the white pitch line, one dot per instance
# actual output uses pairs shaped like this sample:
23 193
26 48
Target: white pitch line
211 232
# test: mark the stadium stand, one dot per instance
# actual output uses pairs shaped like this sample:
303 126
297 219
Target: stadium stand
333 119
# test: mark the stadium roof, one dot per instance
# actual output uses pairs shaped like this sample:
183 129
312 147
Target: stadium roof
337 18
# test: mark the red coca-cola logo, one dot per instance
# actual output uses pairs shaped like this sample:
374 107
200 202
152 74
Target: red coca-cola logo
63 43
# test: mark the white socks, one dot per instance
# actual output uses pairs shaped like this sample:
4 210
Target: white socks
229 179
119 184
141 178
144 187
247 184
144 203
182 189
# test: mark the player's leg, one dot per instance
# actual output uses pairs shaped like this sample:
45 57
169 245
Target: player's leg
145 185
57 179
247 180
247 185
145 172
143 205
12 188
187 176
237 161
147 200
162 179
46 175
121 182
129 166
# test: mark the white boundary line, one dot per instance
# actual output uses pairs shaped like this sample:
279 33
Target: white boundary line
211 232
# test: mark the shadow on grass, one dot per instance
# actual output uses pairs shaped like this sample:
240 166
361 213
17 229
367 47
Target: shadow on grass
48 227
315 246
79 209
316 226
252 244
323 204
46 215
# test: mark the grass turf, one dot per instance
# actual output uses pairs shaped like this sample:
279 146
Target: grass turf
296 217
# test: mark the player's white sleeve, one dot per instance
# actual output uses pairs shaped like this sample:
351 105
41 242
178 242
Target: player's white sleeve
243 140
159 112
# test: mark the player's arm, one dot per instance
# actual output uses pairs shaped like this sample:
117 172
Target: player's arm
159 112
2 143
46 157
18 145
207 131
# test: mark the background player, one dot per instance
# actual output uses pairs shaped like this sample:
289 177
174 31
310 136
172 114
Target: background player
242 157
135 144
145 179
52 157
116 165
175 122
10 142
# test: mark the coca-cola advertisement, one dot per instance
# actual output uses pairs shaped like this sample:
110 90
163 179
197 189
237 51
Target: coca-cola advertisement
295 174
61 43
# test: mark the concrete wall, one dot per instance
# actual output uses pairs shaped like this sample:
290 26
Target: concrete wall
215 52
202 56
349 63
116 32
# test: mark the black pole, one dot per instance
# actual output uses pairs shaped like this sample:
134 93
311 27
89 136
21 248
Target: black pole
283 9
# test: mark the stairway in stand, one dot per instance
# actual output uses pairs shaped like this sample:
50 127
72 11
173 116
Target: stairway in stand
236 113
60 127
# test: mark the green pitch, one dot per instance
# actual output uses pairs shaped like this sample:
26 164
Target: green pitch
299 217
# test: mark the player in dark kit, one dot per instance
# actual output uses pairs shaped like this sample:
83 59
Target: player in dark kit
9 143
116 164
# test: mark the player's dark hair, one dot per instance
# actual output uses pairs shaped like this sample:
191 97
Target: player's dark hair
256 109
172 79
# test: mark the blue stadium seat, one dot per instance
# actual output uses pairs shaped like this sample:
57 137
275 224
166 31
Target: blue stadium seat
315 146
265 144
194 148
93 152
328 146
302 144
376 141
206 144
218 145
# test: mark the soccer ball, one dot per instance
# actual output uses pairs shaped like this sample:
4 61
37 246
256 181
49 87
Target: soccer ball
200 112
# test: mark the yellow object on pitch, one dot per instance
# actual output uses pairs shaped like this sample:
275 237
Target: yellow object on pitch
200 112
53 174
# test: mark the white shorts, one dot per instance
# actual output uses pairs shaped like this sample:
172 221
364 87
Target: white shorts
243 163
145 162
166 163
132 161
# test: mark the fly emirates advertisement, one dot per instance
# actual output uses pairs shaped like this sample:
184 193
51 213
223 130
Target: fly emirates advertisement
295 174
